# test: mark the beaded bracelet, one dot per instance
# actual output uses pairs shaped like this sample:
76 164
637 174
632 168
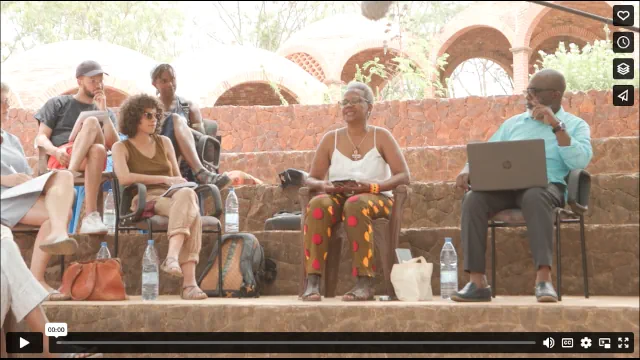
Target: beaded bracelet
374 188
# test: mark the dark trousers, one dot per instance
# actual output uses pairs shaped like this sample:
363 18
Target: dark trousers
537 206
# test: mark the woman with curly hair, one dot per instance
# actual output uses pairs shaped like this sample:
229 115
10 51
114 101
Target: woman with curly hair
148 158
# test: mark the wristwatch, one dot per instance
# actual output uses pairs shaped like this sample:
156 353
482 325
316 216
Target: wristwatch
559 127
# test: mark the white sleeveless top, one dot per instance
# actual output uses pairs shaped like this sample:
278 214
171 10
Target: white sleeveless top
371 168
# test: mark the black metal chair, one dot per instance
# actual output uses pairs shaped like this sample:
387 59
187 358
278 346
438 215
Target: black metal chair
133 221
578 188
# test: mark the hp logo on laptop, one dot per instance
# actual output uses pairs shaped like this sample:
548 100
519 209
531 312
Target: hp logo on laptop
506 165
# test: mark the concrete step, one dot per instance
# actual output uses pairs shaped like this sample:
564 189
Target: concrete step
287 314
614 200
612 259
428 163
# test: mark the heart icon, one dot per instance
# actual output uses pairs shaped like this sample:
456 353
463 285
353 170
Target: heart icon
623 15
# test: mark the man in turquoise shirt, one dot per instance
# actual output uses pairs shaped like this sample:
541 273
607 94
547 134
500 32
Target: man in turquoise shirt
567 145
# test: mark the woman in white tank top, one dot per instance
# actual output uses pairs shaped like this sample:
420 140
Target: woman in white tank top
364 164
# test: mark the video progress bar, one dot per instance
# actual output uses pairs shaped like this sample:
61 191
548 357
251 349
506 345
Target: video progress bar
295 342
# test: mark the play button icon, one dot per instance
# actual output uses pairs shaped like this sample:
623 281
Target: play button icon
24 343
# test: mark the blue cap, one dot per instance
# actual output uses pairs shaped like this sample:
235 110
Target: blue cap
447 239
103 244
150 242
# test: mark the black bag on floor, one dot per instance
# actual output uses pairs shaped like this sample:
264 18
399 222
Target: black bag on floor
284 220
244 268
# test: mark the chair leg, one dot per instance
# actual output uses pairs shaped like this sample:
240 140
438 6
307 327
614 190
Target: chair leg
584 258
558 257
493 262
115 188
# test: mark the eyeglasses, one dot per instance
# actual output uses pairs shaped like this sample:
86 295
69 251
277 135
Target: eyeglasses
536 91
151 116
357 101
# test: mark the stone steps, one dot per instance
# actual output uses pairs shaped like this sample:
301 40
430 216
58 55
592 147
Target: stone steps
614 200
287 314
428 163
612 259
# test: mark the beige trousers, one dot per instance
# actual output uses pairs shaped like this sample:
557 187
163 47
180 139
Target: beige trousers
183 212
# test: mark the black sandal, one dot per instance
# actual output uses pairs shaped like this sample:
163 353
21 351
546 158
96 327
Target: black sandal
356 294
207 177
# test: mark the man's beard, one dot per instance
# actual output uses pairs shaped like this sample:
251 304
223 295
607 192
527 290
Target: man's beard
88 93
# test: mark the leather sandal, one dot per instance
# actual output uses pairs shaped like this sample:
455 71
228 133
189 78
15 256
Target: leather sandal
194 293
171 266
361 294
56 295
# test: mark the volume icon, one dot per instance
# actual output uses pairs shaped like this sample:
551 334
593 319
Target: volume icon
549 343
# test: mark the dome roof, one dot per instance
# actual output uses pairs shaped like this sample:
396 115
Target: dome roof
205 75
49 70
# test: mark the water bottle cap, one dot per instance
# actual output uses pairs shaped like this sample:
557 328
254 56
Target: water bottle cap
149 242
447 239
103 244
231 189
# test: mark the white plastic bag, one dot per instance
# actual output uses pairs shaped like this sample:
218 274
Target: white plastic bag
412 280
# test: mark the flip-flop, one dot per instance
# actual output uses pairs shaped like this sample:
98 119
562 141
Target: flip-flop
61 246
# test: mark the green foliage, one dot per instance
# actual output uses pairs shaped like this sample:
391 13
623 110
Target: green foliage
274 87
587 68
144 26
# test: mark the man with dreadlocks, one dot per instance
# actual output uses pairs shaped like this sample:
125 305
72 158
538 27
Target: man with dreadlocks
181 116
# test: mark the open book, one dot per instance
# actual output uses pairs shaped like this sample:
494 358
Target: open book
176 187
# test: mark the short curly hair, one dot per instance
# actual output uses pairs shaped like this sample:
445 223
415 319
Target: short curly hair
132 110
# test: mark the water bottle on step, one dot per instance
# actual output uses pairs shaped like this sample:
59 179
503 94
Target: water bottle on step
232 213
448 270
150 273
104 251
109 217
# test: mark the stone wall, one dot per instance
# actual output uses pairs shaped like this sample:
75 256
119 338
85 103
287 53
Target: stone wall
428 122
612 259
614 200
433 163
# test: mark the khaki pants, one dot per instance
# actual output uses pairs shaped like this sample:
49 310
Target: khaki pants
183 212
20 291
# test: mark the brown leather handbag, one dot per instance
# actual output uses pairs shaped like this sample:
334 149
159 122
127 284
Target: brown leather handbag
97 280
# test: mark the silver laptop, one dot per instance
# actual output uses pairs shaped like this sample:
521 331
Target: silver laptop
507 165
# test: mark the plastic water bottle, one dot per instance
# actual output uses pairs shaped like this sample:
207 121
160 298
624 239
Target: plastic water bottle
150 274
104 253
448 270
232 214
109 217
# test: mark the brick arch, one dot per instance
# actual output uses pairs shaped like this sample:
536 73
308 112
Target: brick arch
469 44
308 63
349 70
365 45
536 13
468 21
311 51
297 90
567 30
255 93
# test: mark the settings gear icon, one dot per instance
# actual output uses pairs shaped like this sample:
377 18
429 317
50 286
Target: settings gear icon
585 342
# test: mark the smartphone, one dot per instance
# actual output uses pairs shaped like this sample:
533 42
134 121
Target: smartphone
342 183
403 255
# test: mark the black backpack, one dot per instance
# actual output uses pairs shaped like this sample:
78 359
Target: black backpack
293 177
283 221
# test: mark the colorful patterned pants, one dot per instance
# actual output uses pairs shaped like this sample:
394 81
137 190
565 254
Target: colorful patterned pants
357 212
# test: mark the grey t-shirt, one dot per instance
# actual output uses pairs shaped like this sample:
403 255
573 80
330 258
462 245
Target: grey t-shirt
61 113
